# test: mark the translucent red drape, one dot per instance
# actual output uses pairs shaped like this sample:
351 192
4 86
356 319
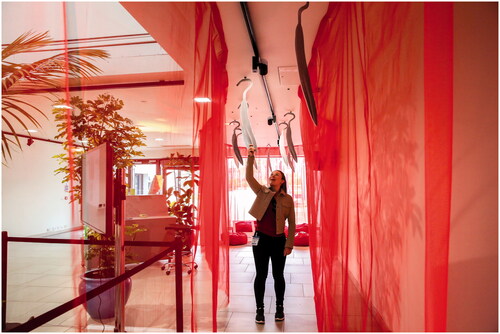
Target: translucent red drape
211 81
240 194
438 82
378 166
80 321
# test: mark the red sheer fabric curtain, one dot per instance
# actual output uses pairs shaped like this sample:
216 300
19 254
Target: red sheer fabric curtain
241 196
438 82
211 81
378 166
80 319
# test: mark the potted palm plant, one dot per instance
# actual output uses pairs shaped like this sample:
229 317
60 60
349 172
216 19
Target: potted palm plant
20 80
93 123
182 205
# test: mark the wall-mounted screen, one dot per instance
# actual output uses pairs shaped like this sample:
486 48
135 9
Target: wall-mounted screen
97 189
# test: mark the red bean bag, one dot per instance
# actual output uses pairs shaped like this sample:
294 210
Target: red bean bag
301 239
302 228
237 238
298 228
243 226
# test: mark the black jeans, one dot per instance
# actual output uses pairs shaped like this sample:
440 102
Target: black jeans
273 248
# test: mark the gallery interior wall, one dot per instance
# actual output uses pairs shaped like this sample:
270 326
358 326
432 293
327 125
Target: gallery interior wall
33 198
473 262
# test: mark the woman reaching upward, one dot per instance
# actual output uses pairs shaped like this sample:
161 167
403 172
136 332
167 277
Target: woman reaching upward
271 208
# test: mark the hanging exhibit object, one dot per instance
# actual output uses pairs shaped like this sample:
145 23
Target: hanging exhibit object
283 152
268 162
248 136
305 81
236 149
289 140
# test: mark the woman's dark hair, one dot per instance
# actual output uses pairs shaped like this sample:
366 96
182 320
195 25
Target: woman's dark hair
283 185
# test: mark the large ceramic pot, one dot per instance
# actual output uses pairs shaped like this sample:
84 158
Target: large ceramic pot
103 305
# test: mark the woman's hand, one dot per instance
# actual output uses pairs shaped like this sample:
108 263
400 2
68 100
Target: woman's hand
251 150
287 251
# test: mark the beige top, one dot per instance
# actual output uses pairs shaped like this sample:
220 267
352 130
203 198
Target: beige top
284 204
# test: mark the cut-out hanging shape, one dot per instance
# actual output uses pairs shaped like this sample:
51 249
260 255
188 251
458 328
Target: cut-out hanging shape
269 168
286 158
305 81
289 140
248 136
236 149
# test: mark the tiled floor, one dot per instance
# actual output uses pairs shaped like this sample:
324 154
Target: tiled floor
40 277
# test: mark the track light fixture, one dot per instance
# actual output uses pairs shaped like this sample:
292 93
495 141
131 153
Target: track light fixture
30 141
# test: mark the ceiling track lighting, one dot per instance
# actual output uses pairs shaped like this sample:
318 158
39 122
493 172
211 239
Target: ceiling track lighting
257 64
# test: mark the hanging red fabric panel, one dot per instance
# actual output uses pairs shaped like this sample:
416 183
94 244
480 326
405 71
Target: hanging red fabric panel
211 81
438 82
364 185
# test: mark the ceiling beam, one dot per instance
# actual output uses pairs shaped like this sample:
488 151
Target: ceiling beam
104 87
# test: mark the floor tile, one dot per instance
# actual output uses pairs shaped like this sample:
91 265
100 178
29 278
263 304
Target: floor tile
21 278
50 329
152 304
65 281
248 260
302 252
245 322
30 293
294 260
297 269
301 278
60 296
300 323
308 290
241 289
247 304
300 305
238 268
242 277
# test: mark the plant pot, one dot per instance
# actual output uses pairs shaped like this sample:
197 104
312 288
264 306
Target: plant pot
187 240
103 305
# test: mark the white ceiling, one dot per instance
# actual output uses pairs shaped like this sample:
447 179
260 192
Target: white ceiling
274 26
157 109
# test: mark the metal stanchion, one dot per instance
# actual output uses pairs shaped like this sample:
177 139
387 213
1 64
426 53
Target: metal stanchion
4 279
178 282
119 198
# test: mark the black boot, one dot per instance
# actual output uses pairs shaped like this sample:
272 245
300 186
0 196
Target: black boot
279 315
259 318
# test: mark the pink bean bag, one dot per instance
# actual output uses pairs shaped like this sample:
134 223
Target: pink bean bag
301 239
237 238
243 226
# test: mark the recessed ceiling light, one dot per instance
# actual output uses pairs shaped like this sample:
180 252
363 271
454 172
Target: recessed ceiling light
159 139
62 106
202 99
32 131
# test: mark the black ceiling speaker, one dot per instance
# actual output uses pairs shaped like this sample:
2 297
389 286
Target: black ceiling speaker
255 64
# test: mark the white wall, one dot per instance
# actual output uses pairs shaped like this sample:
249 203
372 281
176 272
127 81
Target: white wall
33 199
473 263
